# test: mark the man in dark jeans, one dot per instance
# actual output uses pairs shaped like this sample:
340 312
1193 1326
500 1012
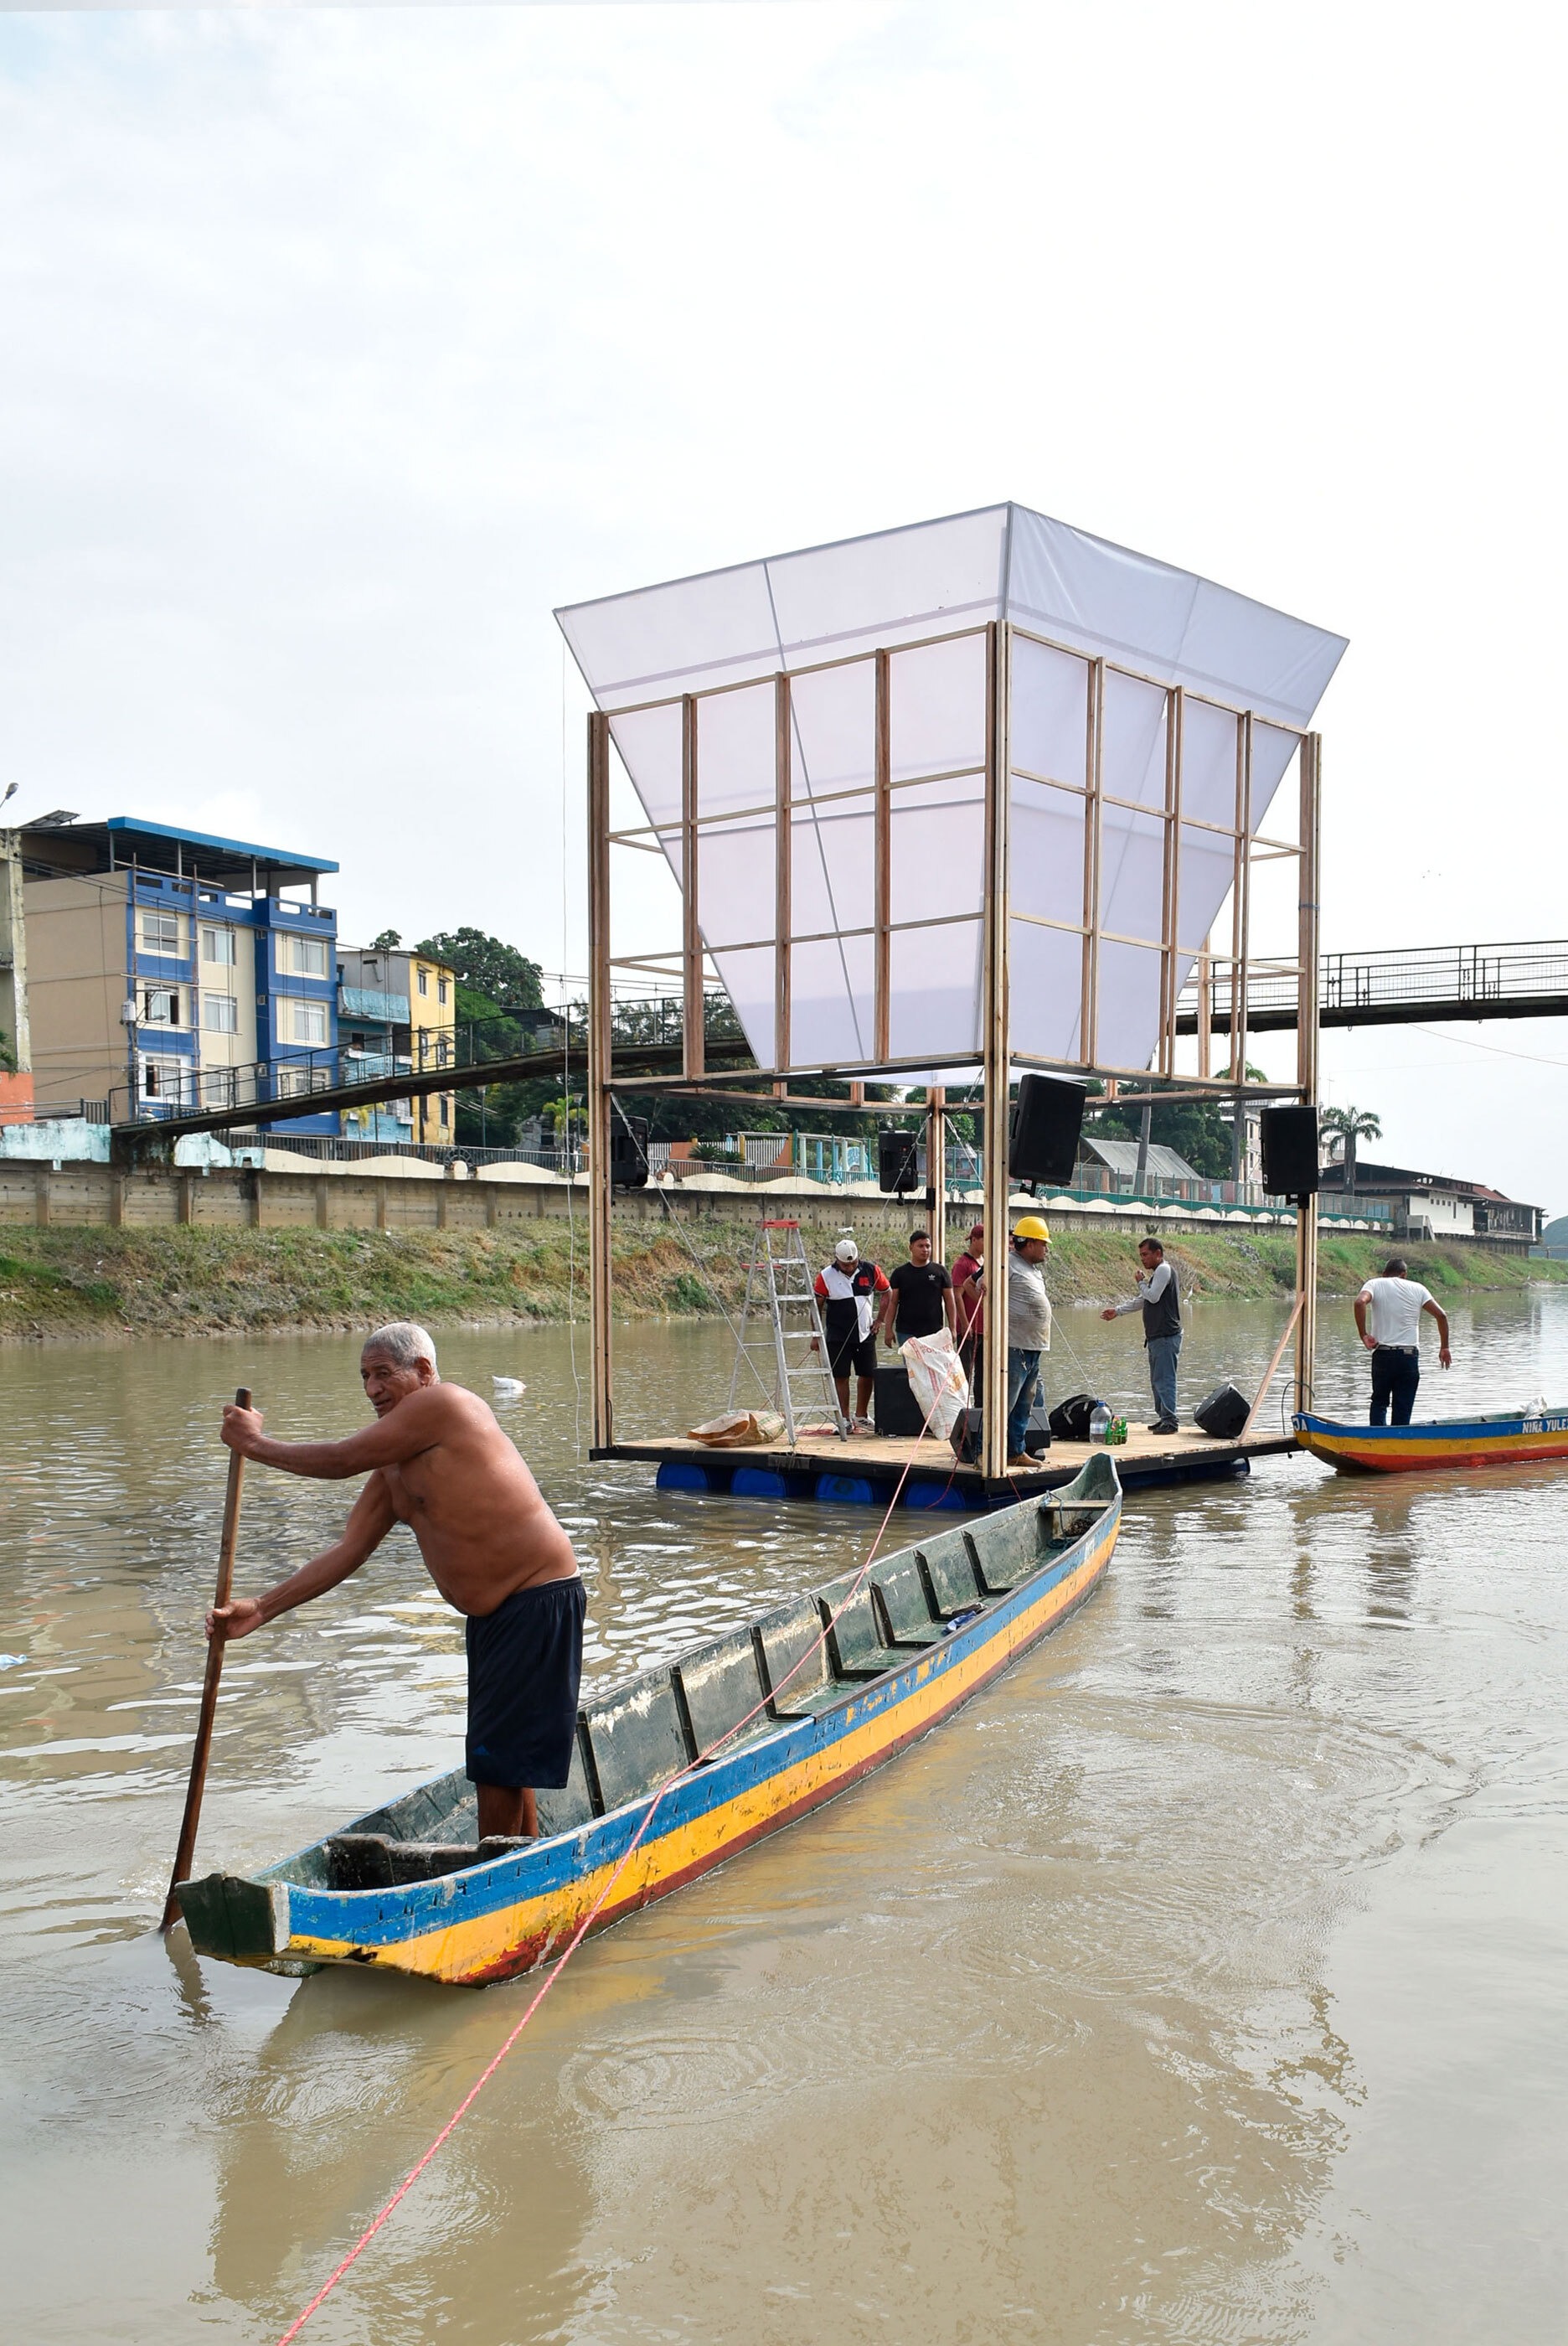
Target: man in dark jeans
1393 1305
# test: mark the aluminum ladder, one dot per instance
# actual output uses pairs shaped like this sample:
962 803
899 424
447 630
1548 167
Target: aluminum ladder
779 1281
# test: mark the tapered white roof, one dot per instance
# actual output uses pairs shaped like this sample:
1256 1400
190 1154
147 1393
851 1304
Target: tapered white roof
790 610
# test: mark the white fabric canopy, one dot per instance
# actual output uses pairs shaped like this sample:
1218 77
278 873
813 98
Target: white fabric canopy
899 589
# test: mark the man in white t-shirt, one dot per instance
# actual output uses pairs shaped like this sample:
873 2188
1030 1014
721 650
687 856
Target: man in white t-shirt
1393 1305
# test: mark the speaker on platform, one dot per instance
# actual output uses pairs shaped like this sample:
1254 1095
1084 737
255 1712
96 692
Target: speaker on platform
629 1152
1289 1138
966 1435
897 1169
893 1406
1224 1413
1046 1122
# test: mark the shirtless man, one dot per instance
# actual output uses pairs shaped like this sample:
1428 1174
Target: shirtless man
437 1460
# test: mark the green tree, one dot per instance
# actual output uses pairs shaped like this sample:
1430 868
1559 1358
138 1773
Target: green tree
486 965
1349 1125
7 1056
387 942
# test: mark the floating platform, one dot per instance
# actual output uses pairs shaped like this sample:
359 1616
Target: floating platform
864 1469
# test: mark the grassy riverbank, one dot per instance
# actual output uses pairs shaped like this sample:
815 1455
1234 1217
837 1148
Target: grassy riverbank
86 1282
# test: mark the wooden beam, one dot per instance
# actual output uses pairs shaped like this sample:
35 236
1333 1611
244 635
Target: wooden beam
691 927
600 1106
882 857
783 877
993 1041
1307 1007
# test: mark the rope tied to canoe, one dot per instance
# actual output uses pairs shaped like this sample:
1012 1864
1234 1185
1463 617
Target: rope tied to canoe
584 1925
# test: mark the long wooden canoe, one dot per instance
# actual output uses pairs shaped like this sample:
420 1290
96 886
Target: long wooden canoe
1501 1440
408 1888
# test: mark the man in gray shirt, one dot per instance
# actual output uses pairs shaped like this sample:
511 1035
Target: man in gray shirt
1160 1299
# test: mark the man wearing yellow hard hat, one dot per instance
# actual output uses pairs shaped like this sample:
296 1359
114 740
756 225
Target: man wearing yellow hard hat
1028 1325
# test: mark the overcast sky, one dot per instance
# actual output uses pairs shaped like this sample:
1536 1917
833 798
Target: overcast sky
340 345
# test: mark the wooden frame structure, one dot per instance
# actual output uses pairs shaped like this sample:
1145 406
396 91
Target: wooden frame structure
1219 980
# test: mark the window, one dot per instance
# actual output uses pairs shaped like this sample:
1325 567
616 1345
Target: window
305 957
310 1022
217 947
444 1105
161 1078
441 989
160 1005
220 1013
424 981
442 1051
160 932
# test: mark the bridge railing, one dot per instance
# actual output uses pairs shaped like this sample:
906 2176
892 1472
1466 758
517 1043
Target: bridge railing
1415 974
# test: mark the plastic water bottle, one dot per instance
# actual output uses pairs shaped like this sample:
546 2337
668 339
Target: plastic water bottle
1100 1423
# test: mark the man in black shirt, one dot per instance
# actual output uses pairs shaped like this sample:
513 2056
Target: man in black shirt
920 1297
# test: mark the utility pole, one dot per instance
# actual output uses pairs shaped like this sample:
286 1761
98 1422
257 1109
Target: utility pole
13 952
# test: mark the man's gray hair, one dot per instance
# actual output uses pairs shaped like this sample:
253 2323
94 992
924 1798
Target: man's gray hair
403 1342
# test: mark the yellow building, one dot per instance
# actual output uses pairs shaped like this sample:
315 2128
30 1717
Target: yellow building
429 990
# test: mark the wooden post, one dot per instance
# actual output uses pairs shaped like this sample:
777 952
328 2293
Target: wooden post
692 1065
1089 1012
783 875
1206 1011
994 1044
599 1104
1306 1014
881 860
936 1171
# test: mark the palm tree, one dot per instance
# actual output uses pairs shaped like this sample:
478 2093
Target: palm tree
1349 1125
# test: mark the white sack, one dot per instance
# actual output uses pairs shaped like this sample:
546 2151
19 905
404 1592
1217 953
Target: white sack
936 1380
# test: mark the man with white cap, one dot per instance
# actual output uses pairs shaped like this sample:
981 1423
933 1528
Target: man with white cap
846 1288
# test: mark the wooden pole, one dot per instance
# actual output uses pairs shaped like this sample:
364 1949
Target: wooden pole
995 1045
600 1109
882 863
783 876
936 1171
185 1849
691 925
1269 1374
1308 929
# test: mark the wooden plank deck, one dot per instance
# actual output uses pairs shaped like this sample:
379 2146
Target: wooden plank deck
822 1466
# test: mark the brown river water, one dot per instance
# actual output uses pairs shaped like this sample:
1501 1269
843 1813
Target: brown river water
1204 1979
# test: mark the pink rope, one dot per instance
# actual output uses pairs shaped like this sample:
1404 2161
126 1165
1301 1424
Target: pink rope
412 2177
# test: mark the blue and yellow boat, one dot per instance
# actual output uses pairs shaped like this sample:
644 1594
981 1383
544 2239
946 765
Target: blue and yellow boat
839 1679
1505 1440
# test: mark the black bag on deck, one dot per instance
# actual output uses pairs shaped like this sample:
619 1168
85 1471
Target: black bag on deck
1069 1421
1223 1414
965 1436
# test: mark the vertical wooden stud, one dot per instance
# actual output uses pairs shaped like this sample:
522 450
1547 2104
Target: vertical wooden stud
1089 1016
1308 1009
783 875
882 852
994 1042
599 1103
691 926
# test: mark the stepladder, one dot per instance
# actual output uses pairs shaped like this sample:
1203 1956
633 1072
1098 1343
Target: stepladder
782 1344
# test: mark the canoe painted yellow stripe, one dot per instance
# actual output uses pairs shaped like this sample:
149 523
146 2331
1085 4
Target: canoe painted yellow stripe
1437 1450
511 1939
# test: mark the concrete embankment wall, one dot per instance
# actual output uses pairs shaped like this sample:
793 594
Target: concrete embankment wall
341 1197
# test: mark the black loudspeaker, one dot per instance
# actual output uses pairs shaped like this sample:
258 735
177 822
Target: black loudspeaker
1224 1413
893 1405
1289 1138
629 1152
897 1171
1037 1433
1046 1122
965 1436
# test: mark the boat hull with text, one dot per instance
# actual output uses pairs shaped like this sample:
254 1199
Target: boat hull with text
1498 1440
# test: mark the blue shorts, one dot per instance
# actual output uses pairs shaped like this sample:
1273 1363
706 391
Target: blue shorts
524 1666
